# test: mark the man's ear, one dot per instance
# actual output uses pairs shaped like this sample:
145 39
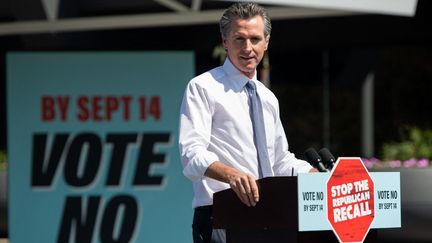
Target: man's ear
224 43
267 42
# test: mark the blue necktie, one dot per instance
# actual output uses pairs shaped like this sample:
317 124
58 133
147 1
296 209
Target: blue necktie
264 167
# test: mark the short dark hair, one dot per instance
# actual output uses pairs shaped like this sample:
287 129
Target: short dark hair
243 10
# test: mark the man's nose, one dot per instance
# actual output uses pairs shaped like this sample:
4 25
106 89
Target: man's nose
248 45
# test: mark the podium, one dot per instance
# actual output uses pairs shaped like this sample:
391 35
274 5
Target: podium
274 219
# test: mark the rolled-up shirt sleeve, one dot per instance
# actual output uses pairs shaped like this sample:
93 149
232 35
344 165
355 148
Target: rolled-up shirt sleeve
195 131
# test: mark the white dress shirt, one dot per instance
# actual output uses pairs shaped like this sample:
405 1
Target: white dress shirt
215 125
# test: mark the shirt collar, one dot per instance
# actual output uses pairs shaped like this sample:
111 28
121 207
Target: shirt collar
237 79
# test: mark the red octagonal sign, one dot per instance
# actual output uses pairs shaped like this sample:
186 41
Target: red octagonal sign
350 200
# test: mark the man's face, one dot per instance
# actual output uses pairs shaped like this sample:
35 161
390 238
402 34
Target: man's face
246 44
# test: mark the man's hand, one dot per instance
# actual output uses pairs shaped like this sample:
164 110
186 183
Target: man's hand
313 170
243 184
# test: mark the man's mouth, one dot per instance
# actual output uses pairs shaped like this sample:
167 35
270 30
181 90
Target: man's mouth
247 58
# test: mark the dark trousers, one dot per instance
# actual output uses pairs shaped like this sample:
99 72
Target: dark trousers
202 227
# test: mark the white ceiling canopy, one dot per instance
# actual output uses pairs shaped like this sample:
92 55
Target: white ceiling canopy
392 7
193 12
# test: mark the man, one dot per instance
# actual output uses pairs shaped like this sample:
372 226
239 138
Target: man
218 136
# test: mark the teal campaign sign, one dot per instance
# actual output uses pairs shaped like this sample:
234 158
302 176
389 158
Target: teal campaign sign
92 147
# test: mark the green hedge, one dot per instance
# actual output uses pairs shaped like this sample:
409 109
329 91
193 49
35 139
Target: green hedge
416 143
3 160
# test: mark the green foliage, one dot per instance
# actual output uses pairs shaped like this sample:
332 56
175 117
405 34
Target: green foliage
3 160
416 143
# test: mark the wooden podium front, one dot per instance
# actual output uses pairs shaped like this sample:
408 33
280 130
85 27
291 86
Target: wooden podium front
274 219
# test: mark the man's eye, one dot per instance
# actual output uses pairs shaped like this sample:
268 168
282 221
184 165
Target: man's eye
256 40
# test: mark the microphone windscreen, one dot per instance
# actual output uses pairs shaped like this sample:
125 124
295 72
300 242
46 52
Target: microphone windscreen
312 156
315 160
327 157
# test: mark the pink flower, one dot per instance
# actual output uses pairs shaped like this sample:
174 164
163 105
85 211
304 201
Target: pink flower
370 163
423 163
395 163
409 163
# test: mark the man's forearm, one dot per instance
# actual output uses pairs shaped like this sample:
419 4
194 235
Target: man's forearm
243 184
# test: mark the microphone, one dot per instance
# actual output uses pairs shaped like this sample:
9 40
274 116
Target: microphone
328 159
314 159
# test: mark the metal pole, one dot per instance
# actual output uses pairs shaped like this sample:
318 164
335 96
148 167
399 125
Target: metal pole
368 116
